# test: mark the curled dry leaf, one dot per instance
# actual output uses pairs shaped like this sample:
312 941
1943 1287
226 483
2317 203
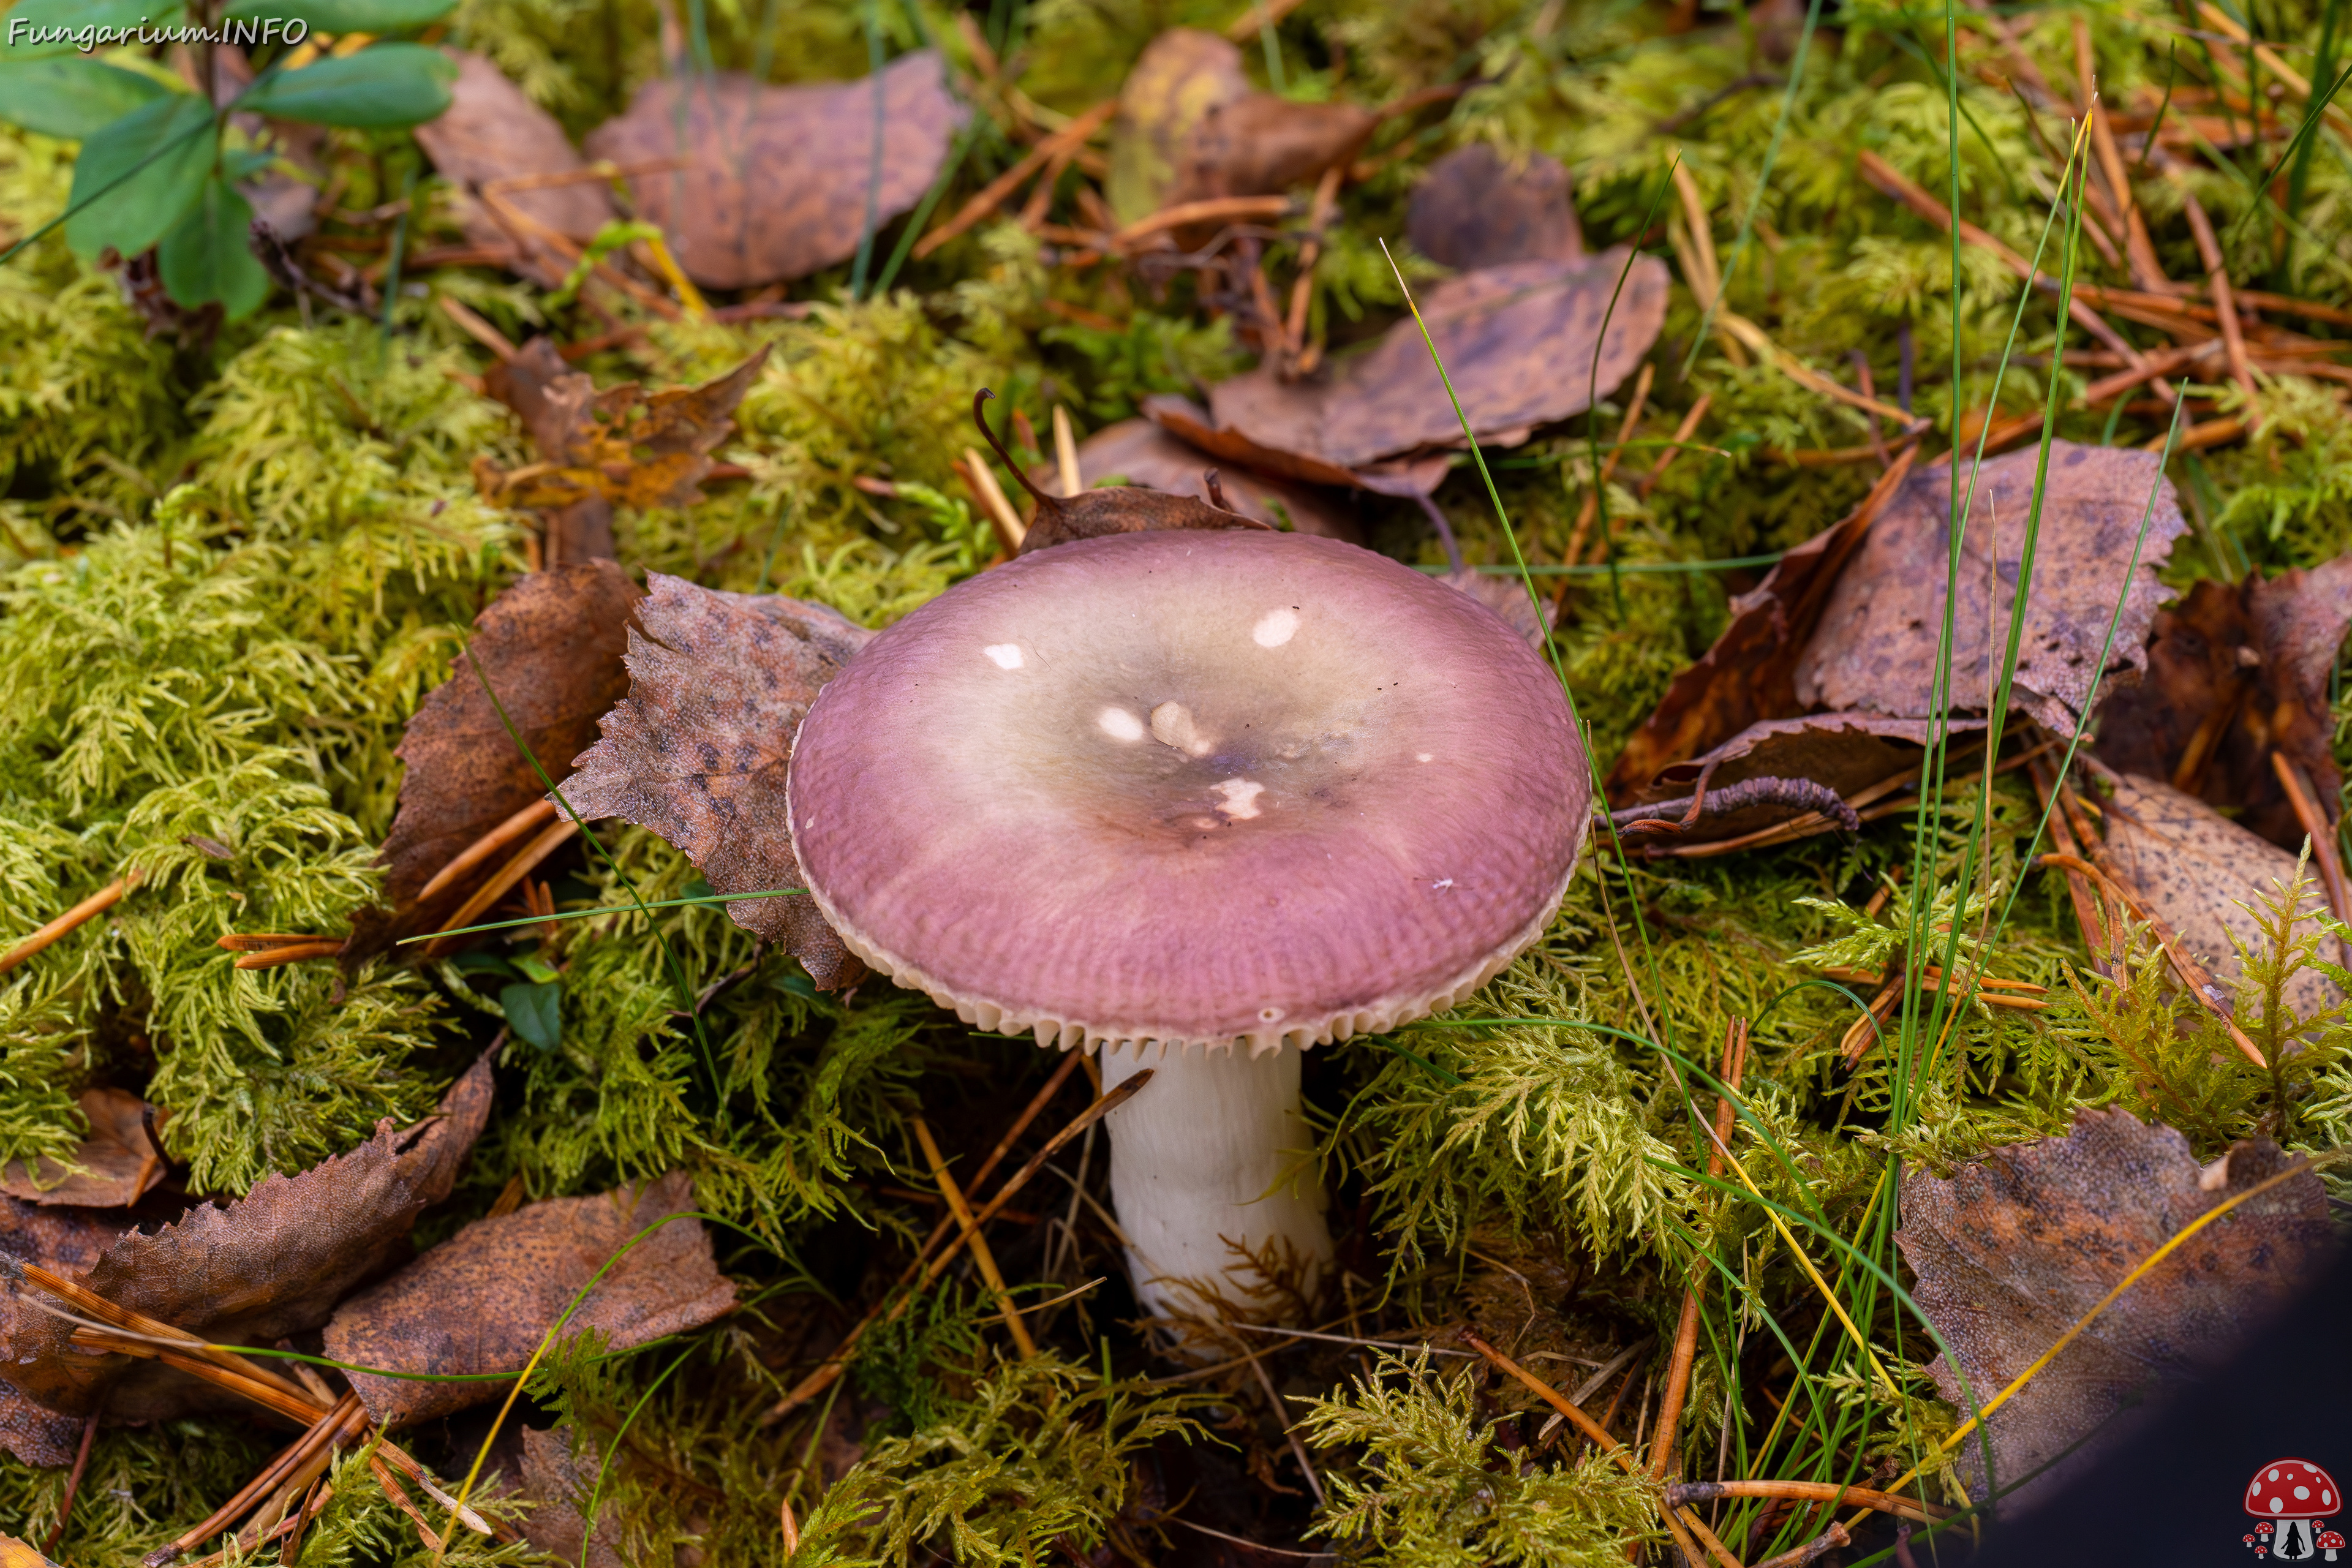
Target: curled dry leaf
777 178
1475 208
555 1480
1122 509
493 132
1876 646
551 647
1847 752
1519 345
2235 671
484 1300
1189 128
1138 452
272 1264
581 530
2198 871
717 685
114 1166
2012 1251
622 443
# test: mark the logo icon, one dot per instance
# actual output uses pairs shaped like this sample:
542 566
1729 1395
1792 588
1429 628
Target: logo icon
2292 1499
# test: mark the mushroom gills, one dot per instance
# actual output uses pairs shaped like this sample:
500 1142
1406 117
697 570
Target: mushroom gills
1212 1175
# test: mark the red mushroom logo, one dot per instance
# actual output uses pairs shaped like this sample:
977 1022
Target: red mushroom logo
2294 1496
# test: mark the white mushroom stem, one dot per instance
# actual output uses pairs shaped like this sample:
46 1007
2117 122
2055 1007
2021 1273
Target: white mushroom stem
1211 1164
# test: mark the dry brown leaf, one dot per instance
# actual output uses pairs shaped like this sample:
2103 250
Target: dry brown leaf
2235 671
622 443
493 132
2013 1250
1476 208
2196 870
272 1264
1280 421
1876 646
1138 452
778 180
1845 751
1181 76
717 685
484 1300
551 647
68 1241
1517 342
558 1484
1261 145
16 1553
118 1161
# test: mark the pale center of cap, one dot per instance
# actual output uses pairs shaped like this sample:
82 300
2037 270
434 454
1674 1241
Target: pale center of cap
1275 628
1006 655
1173 725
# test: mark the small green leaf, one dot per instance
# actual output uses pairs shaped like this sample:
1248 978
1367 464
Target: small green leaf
342 17
385 86
205 258
71 99
535 1013
38 28
150 165
536 969
480 960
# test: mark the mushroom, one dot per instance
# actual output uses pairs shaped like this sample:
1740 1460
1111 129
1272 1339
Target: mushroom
2331 1542
2294 1494
1200 799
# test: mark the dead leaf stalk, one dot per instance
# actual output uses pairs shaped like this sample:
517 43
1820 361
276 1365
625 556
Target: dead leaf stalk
98 903
981 1254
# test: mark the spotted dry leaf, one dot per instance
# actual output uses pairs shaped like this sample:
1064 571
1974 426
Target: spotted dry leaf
1875 647
273 1263
776 179
2198 871
551 647
1519 345
493 132
484 1300
1181 76
559 1485
2012 1251
718 684
1477 207
1138 452
2235 671
114 1167
627 446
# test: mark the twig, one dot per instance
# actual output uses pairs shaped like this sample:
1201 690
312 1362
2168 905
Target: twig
1282 1419
1227 208
992 195
1310 252
2305 801
525 861
1244 1541
1626 428
320 1434
98 903
2194 977
2140 251
73 1484
2217 277
480 331
529 819
981 1254
139 1326
292 952
1683 434
1805 375
1010 529
1351 1339
1807 1491
1066 453
921 1274
1677 1518
1820 1546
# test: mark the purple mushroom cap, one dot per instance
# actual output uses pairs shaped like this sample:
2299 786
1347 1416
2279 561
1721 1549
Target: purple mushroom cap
1191 787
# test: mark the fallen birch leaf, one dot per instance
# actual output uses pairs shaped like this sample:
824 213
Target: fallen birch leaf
272 1264
2012 1251
551 647
2234 672
119 1163
1875 647
777 179
484 1300
1181 76
1138 452
1517 342
2198 871
717 685
1261 145
629 447
493 132
1474 207
540 387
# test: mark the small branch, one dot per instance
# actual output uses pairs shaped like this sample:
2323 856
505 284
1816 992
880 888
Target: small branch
1591 507
1215 208
525 861
1820 1546
73 1484
98 903
2305 801
1010 529
991 196
2217 277
529 819
1807 1491
981 1254
2194 978
1282 1419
